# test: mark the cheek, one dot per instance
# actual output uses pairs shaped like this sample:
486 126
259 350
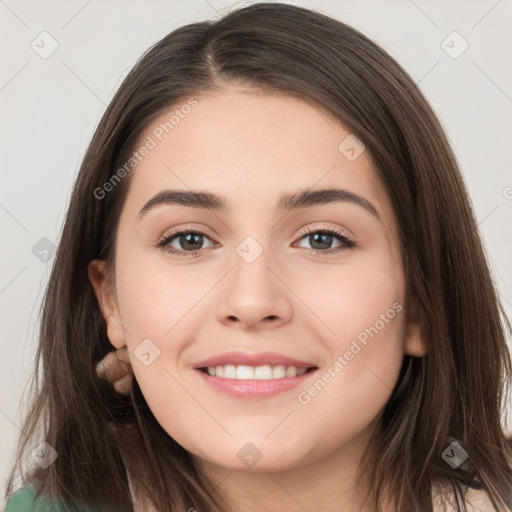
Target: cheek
158 301
363 316
161 309
350 392
350 299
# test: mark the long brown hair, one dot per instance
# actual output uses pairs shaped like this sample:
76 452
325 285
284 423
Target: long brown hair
457 391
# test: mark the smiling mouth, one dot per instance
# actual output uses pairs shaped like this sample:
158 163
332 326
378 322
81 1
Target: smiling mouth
263 372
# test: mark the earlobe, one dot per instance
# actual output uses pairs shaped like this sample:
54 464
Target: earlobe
414 343
101 281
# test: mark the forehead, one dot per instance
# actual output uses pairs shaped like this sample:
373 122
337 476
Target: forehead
251 147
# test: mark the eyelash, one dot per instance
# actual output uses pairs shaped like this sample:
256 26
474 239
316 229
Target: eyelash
347 243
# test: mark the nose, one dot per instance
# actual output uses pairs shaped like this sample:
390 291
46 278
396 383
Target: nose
255 296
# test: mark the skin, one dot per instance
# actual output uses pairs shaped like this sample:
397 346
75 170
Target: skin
116 368
251 147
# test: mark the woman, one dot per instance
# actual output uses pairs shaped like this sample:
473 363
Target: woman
365 371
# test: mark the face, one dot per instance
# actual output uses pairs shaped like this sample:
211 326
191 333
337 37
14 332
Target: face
318 288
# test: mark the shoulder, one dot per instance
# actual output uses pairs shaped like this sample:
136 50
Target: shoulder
25 500
475 500
478 500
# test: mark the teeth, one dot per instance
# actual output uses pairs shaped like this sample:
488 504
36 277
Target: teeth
278 372
291 371
230 371
265 372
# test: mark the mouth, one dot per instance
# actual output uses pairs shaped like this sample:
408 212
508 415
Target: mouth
249 382
264 372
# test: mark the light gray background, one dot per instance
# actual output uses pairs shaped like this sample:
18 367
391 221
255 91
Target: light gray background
50 107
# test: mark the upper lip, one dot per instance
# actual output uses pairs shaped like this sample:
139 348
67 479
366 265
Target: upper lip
255 359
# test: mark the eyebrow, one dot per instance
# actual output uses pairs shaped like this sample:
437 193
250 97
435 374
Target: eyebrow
304 198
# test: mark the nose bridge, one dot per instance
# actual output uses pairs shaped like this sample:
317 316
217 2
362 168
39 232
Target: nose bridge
257 253
253 232
252 261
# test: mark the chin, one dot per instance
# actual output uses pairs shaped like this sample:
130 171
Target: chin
252 456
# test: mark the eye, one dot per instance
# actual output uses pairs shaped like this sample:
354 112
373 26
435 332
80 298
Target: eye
187 238
321 237
191 241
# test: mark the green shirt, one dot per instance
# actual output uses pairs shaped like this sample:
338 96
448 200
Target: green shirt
24 501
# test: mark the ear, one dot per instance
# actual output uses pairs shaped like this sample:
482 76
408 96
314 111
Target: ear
414 343
103 285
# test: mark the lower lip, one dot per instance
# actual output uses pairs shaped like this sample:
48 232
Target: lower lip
254 388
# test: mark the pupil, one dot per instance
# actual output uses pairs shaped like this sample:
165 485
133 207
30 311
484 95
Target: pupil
325 238
190 245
